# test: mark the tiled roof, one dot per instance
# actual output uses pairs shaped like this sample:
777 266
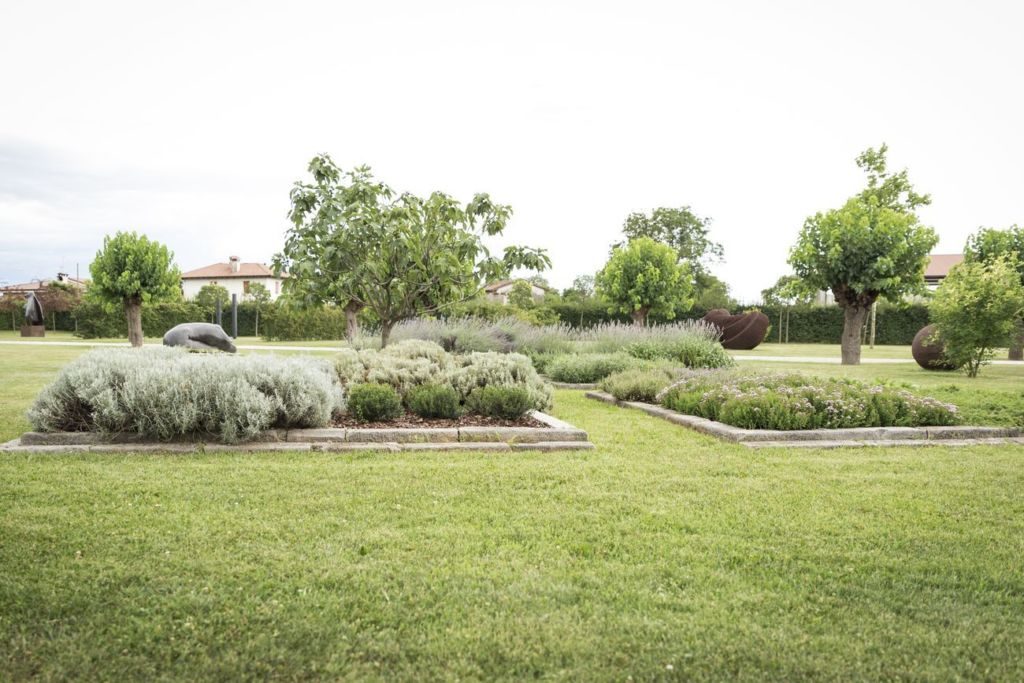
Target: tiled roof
223 270
37 285
941 264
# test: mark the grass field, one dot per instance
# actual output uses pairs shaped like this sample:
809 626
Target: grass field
662 555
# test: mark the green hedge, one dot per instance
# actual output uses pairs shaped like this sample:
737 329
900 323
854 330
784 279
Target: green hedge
824 324
280 323
95 321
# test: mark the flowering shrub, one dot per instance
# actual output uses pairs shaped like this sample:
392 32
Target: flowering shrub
165 393
794 401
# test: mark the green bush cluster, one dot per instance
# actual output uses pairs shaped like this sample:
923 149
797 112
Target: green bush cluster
374 402
582 368
505 402
433 401
167 393
786 401
639 384
426 377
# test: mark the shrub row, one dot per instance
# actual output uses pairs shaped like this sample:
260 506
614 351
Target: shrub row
165 393
792 400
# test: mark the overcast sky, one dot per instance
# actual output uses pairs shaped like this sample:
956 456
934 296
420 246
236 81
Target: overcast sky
189 121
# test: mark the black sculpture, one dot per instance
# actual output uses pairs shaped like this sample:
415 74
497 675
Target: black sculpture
928 350
199 337
743 331
33 310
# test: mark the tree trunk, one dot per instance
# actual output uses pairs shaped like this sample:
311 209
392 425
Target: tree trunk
639 317
385 333
1017 343
351 321
257 322
133 309
853 324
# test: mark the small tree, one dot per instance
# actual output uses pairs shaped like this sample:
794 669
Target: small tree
521 295
975 309
59 297
209 295
645 277
129 270
988 244
357 243
874 246
582 288
259 296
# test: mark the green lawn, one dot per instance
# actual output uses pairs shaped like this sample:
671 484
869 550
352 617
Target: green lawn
662 555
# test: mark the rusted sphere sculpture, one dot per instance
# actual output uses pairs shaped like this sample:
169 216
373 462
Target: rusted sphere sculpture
739 332
928 351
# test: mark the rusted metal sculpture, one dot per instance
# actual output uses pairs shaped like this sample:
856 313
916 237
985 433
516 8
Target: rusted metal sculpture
928 350
739 332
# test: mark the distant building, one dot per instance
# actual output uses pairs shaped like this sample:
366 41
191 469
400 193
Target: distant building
234 276
499 291
39 286
938 268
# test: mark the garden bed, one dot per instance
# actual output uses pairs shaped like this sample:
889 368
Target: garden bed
538 431
948 435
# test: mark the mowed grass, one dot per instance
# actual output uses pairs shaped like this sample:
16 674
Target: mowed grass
662 555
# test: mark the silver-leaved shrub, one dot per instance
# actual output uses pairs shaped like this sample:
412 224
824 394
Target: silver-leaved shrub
164 393
490 369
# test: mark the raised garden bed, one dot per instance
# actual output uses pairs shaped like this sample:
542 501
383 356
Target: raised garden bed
538 432
827 438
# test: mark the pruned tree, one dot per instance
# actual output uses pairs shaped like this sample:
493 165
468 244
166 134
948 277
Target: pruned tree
679 228
644 277
874 246
356 243
131 269
989 244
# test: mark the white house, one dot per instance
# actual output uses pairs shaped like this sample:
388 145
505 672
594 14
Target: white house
234 276
499 291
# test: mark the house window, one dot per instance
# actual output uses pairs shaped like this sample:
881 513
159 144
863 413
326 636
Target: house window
245 286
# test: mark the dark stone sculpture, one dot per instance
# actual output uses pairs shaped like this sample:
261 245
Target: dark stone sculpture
199 337
739 332
33 326
927 351
33 310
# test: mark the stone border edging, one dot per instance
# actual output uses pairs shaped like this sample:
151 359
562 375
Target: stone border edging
556 435
826 438
571 385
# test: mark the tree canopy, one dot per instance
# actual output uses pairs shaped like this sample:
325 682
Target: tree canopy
873 246
644 277
131 269
355 242
680 228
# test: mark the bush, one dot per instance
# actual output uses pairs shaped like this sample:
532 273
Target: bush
374 402
433 400
638 384
166 393
795 401
590 367
489 369
508 403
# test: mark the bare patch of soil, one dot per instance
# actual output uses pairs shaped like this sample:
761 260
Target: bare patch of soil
415 421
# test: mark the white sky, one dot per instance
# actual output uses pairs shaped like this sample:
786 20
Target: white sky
189 121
